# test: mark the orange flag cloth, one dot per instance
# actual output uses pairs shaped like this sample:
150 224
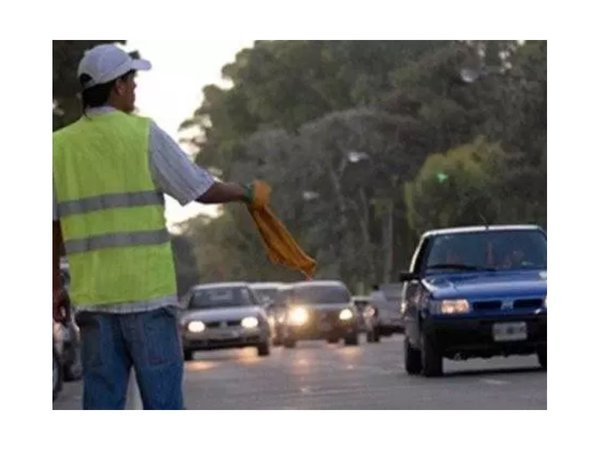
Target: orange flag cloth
281 246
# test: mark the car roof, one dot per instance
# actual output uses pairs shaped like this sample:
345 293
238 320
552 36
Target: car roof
479 228
323 283
230 284
266 285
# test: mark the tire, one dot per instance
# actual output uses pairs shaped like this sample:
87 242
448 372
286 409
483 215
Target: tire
276 342
289 343
412 359
542 358
431 359
188 355
332 340
376 335
351 340
57 379
264 349
74 371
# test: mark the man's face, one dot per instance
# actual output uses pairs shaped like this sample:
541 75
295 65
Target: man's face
125 93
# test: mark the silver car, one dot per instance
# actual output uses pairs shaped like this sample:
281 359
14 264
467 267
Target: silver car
223 315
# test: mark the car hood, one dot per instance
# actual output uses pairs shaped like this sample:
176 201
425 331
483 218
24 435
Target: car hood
487 284
325 307
219 314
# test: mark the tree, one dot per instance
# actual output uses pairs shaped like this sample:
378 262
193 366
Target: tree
457 188
65 86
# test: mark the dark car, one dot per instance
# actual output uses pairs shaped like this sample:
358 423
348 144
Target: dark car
475 292
319 310
223 315
367 317
66 345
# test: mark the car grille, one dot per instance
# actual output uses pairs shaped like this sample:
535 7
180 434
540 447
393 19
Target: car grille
496 305
220 324
487 306
529 303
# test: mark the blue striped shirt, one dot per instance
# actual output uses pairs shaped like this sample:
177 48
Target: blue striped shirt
175 175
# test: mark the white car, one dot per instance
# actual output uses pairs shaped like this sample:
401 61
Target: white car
223 315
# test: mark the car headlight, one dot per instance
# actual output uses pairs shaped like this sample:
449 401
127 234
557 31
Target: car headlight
249 322
298 316
196 326
455 306
346 314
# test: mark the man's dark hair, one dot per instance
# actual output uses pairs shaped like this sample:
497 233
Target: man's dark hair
98 95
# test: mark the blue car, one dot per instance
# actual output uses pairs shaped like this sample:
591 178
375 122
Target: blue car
475 292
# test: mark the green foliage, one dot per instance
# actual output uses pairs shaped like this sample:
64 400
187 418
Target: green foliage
465 195
428 147
65 86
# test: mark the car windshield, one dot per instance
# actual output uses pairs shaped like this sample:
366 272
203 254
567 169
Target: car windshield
488 250
320 294
220 298
265 295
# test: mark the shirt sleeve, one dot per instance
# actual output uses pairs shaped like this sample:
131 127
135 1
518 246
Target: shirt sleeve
172 170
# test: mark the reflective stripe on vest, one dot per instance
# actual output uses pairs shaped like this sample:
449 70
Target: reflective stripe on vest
108 201
116 240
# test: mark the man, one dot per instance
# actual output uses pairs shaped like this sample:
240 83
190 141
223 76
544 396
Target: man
110 171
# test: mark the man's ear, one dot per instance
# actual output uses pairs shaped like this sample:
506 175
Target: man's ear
119 87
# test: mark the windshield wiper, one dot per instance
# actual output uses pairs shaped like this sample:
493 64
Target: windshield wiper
460 267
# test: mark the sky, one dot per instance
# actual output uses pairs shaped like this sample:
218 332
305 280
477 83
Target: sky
171 91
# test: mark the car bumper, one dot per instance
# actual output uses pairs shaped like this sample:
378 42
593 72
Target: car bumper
229 338
322 330
470 337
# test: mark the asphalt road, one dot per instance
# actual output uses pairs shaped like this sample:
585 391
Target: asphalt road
317 375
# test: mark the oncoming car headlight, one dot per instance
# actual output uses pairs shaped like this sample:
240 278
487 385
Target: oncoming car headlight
196 326
298 316
346 314
249 322
454 306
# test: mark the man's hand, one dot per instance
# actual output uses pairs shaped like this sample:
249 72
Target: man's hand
258 194
61 306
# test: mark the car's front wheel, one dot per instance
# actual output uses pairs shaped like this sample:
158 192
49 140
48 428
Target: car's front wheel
188 355
264 349
373 335
289 343
74 370
351 340
56 375
542 356
431 358
412 358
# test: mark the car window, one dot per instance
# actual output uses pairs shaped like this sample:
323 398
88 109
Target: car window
320 294
265 295
220 298
494 249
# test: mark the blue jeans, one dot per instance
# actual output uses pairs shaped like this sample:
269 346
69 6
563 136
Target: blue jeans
114 343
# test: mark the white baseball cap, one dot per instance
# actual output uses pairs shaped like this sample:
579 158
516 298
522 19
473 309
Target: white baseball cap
108 62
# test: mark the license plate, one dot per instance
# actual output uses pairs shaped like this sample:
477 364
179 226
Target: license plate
510 331
226 335
324 327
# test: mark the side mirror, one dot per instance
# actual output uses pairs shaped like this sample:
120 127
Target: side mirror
407 276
